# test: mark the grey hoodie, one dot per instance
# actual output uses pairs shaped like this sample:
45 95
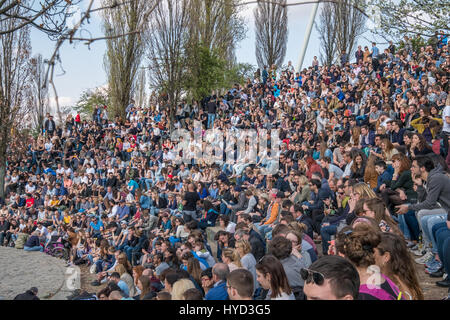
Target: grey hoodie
437 191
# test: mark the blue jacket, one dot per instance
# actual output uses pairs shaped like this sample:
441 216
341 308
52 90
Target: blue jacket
219 292
371 140
145 202
383 178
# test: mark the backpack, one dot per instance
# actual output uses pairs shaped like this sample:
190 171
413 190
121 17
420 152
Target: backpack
380 293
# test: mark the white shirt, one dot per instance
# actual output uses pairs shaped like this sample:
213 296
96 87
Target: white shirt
445 114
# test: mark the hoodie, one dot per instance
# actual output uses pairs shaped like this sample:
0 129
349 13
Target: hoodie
437 190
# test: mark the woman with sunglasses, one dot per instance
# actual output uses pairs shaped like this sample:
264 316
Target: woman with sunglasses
271 276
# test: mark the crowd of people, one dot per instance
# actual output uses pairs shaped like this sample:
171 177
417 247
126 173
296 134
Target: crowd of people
361 192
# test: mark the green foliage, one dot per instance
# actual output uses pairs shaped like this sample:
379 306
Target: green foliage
209 72
89 99
396 18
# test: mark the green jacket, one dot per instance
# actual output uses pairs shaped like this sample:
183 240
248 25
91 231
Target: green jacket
21 240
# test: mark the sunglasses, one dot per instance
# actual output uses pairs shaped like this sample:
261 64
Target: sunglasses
312 276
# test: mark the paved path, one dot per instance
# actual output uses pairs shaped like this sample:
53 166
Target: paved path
21 270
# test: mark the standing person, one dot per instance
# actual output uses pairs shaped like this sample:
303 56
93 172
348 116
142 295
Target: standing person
240 285
271 276
212 107
220 272
190 204
359 55
50 126
446 127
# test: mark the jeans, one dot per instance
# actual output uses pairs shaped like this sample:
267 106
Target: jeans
443 243
189 215
224 209
2 237
211 118
427 222
36 248
326 233
409 225
263 229
426 212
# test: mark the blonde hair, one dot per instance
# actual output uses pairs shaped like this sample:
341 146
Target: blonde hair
364 190
245 245
303 180
120 268
179 287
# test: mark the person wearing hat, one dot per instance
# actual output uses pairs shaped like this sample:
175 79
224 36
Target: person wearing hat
30 294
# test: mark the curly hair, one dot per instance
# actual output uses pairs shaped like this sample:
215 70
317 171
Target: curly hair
359 246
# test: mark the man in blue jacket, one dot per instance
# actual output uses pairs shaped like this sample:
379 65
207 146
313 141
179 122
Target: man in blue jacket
384 176
220 272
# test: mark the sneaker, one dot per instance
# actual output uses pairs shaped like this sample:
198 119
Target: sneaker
95 283
433 269
439 273
411 245
432 264
425 258
418 252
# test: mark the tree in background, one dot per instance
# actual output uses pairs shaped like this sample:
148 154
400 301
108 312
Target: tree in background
89 99
271 32
15 73
395 18
216 24
349 23
39 92
327 34
140 95
340 25
124 53
168 33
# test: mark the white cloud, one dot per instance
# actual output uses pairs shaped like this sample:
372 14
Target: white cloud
63 101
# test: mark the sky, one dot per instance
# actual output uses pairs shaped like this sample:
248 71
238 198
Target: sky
82 67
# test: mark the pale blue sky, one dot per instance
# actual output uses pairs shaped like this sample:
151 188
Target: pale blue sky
84 67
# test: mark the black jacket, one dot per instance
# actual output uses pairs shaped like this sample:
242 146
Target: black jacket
28 295
47 125
258 246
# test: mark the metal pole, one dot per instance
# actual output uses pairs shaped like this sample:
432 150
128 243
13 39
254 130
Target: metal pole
308 34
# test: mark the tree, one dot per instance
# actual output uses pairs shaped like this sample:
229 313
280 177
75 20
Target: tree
271 32
47 16
217 25
327 34
140 95
15 73
123 54
166 49
349 23
416 17
207 72
89 99
39 92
